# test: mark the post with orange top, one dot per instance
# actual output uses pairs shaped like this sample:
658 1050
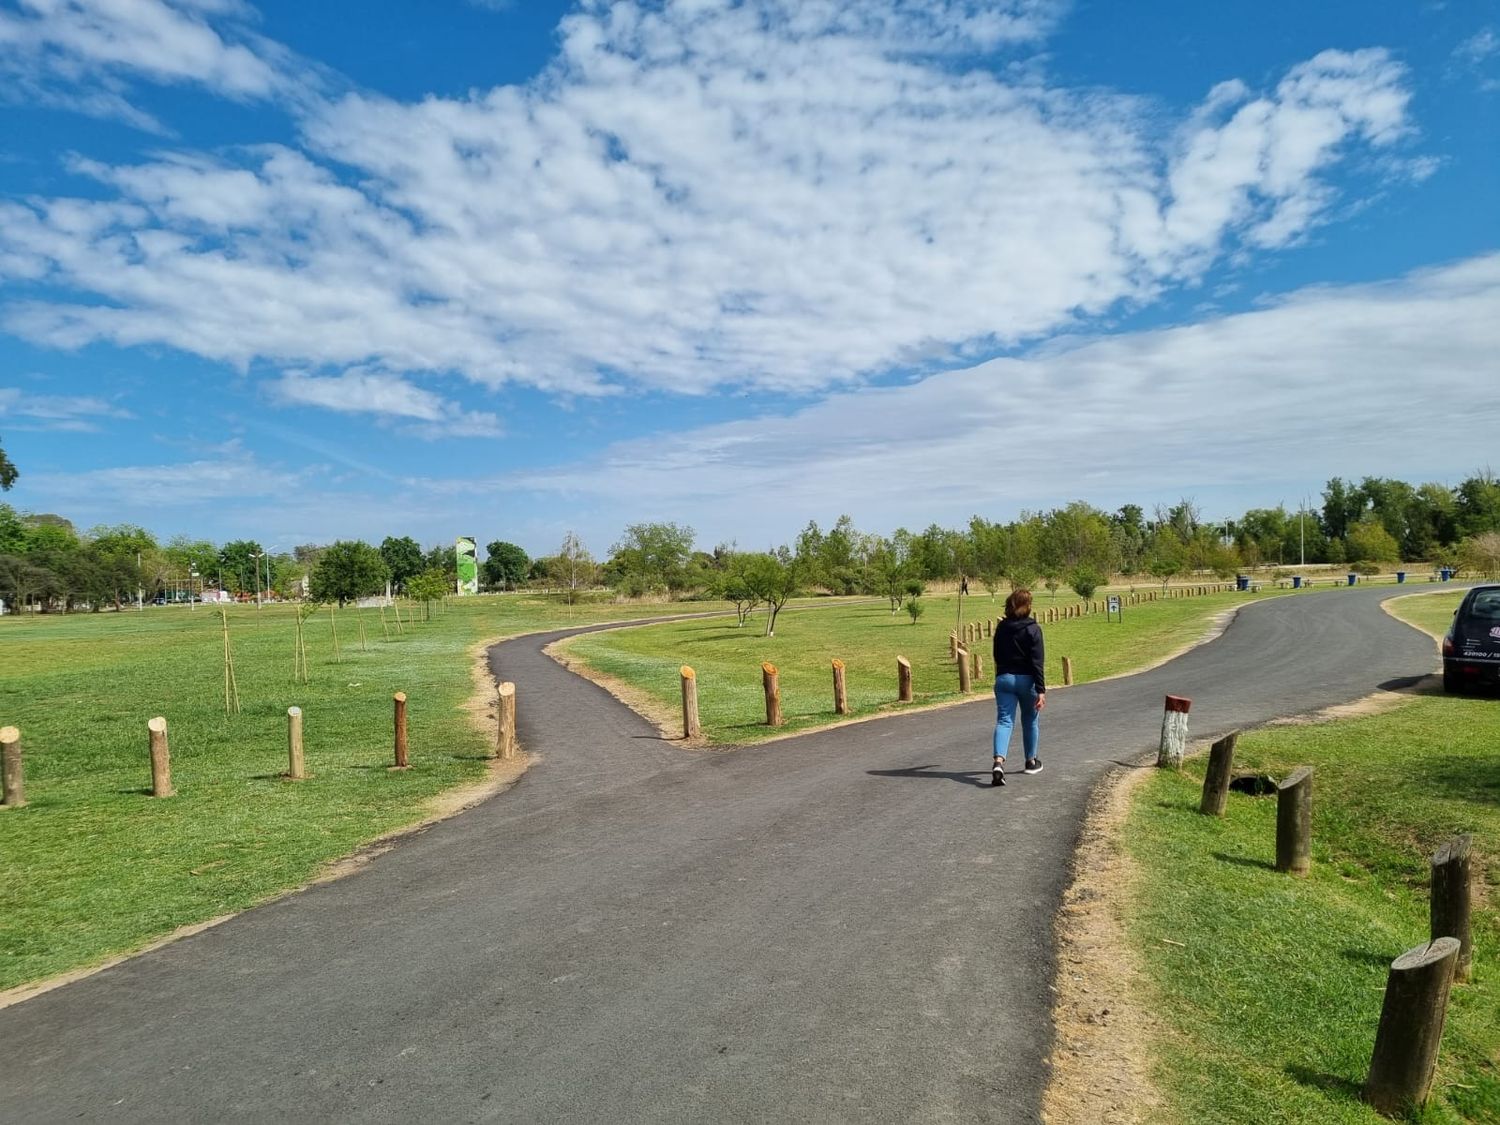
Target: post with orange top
771 683
690 725
1174 725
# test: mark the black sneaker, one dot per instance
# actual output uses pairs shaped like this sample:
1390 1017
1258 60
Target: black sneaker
997 775
1033 765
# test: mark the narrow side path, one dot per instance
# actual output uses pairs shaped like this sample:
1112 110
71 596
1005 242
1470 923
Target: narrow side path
846 926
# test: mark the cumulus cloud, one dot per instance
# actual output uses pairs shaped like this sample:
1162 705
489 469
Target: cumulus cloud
1386 379
699 195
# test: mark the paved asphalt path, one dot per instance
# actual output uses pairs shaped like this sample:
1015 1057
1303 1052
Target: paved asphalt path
846 926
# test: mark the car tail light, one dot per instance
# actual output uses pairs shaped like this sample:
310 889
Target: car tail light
1448 646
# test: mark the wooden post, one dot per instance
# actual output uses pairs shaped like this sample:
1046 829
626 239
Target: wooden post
1411 1027
977 662
772 686
1174 724
1216 780
12 781
161 759
1294 821
987 630
690 724
1452 888
840 692
903 679
953 645
963 671
1067 671
505 719
400 701
296 768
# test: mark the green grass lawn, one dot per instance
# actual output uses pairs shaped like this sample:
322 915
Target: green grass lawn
868 639
92 866
1272 998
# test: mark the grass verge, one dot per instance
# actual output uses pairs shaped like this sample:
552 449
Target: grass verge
93 866
1269 988
868 638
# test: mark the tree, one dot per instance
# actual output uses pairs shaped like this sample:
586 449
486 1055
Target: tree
1369 542
505 564
773 579
572 568
238 559
443 558
732 584
1085 580
403 558
8 472
649 557
1478 504
914 609
428 587
1481 554
349 569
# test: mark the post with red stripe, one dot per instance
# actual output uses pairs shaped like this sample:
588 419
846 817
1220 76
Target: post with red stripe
1174 725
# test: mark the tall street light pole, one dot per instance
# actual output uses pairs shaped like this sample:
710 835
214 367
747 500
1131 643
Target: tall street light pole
256 555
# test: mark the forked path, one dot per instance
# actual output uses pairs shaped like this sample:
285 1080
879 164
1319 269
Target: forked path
846 926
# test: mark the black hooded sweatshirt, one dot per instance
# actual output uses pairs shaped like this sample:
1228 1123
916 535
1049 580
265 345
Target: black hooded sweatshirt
1019 650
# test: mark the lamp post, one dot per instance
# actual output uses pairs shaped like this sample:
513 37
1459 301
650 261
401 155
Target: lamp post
192 581
257 556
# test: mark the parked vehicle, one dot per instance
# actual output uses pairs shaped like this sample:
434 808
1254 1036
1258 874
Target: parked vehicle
1471 650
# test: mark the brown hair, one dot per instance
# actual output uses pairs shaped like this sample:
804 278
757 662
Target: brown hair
1018 604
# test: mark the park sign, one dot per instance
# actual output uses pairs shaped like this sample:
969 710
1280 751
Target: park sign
468 565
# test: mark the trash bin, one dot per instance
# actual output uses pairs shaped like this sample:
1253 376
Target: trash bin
1400 577
1353 578
1296 582
1446 573
1242 582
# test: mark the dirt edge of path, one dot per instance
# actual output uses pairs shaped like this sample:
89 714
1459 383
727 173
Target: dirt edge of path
498 777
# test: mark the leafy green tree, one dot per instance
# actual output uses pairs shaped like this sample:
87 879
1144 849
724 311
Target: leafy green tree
1085 580
1477 505
1480 554
651 557
573 568
505 565
443 558
774 580
1369 541
349 569
403 558
8 472
49 535
12 532
430 586
732 584
238 561
914 609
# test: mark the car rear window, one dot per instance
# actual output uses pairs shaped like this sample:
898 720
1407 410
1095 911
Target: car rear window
1486 605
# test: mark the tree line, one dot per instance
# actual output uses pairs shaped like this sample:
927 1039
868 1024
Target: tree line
1374 522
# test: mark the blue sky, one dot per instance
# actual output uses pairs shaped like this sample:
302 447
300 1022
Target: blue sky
310 271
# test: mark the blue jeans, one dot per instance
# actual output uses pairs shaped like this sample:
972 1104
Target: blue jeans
1011 690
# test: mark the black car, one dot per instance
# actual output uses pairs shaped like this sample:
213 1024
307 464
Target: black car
1471 650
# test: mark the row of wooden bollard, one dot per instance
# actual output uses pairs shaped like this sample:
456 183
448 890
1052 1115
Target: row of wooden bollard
770 678
13 783
1404 1058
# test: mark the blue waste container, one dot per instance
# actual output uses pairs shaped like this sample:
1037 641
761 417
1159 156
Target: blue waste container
1400 577
1353 578
1296 582
1242 582
1446 573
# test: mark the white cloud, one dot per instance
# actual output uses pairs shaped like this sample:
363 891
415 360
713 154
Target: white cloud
1383 379
76 413
388 396
80 54
156 488
1483 44
699 194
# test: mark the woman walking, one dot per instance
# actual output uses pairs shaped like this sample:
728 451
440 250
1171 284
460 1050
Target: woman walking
1020 682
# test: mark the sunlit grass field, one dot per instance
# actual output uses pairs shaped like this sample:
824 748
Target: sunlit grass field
93 865
1269 987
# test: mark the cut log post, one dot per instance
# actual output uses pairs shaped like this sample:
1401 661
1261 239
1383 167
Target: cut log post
1411 1027
1216 780
690 725
161 759
840 692
1067 671
296 768
1452 889
12 780
505 725
400 718
963 671
1294 821
988 630
903 679
953 645
976 661
1174 726
771 682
